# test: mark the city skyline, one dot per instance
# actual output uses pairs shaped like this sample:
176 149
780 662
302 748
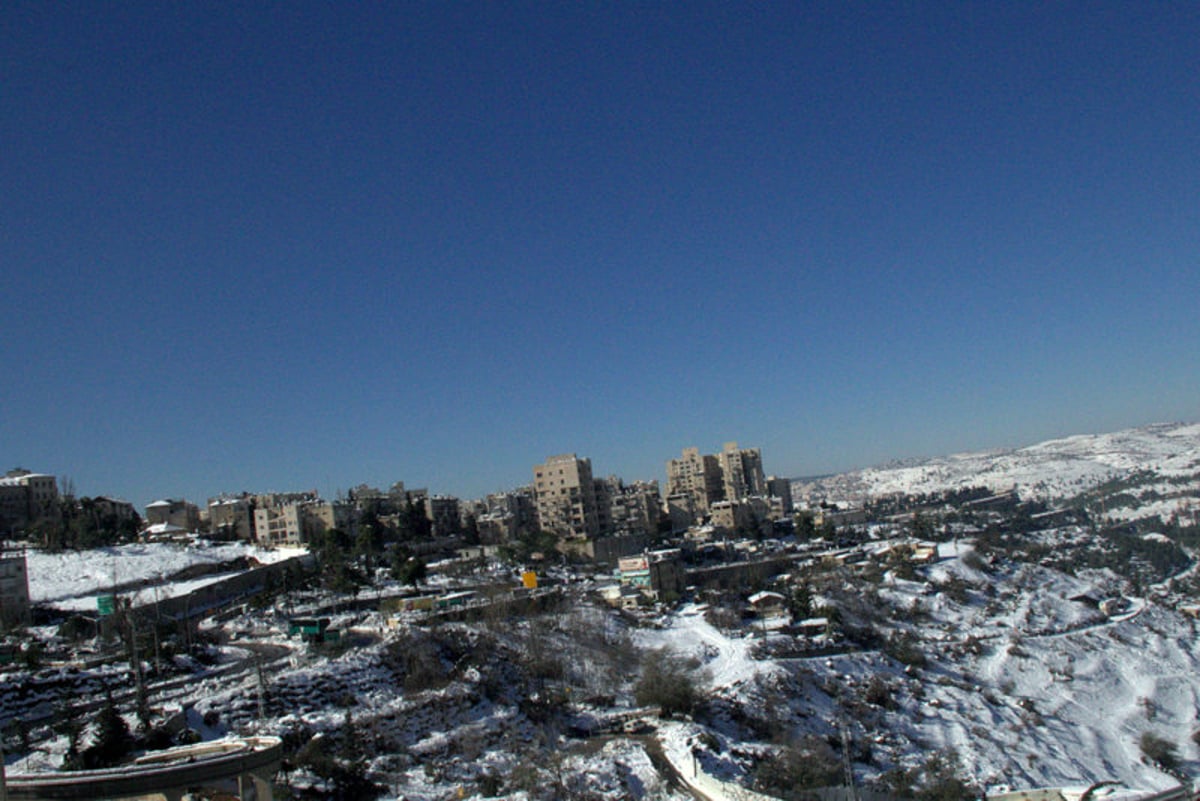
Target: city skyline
316 246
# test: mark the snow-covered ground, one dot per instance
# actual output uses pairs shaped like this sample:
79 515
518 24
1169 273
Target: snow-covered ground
1059 468
73 579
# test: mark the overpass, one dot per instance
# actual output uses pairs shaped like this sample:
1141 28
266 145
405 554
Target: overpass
246 765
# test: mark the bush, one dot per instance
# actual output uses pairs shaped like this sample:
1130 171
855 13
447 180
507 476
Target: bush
666 682
878 693
936 780
1160 750
941 780
905 648
797 768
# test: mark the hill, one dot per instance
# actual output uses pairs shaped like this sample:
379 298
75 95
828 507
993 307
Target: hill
1141 472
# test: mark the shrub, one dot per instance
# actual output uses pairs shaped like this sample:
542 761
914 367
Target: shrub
878 693
905 648
1160 750
792 771
666 682
941 781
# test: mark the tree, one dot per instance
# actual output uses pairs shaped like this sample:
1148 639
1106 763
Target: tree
828 530
414 525
332 551
800 602
470 529
806 529
921 527
666 682
408 569
792 771
941 781
113 740
348 782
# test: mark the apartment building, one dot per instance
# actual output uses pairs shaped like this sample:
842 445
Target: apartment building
14 588
174 512
114 509
781 488
445 512
632 508
566 497
741 472
230 517
697 476
25 498
290 519
697 482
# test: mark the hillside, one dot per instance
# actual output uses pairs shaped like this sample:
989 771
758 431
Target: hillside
1153 470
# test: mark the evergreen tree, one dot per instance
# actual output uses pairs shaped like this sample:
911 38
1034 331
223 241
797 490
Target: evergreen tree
113 740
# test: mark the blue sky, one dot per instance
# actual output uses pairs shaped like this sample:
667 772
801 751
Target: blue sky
310 245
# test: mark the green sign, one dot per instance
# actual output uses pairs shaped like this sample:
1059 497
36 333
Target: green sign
106 604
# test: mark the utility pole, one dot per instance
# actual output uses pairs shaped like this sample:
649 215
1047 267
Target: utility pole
262 702
847 766
3 778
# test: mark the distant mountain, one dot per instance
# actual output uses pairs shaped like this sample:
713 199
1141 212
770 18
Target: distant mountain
1153 470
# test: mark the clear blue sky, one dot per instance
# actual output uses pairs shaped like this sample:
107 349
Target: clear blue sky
294 245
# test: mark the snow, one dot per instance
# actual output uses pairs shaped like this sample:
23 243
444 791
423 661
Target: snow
72 579
726 661
1050 470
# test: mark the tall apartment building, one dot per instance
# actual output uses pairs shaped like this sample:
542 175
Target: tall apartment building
566 497
697 482
25 498
741 472
697 476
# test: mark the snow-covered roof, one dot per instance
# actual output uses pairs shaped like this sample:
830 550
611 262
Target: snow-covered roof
165 528
21 480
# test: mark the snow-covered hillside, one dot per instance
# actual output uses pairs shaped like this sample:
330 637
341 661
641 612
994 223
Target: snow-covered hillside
1163 459
72 579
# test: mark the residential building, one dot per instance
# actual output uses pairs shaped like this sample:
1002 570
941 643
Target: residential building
445 512
655 573
741 472
520 504
495 527
698 476
294 518
632 509
278 525
732 475
502 516
781 488
114 509
175 512
26 498
566 497
14 588
230 517
682 511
